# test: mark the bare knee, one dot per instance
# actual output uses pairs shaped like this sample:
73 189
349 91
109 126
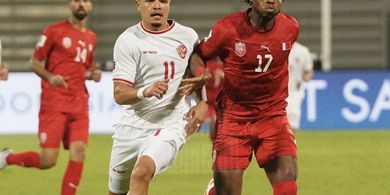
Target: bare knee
141 173
78 151
48 162
281 169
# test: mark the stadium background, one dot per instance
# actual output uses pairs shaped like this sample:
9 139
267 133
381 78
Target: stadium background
358 82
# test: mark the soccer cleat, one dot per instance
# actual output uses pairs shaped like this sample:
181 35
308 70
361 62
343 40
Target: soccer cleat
3 155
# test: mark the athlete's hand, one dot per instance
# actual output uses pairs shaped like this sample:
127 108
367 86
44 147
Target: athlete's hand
3 73
189 85
158 89
57 81
195 117
96 75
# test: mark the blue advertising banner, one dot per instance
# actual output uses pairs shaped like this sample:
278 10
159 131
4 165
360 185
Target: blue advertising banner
347 100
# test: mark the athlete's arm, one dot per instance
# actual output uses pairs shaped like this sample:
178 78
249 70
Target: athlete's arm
308 75
53 79
3 73
197 68
125 93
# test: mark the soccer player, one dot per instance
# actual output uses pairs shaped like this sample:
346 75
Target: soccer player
251 118
300 70
3 73
63 58
151 59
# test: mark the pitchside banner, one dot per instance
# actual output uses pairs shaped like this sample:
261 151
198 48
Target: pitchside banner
347 100
335 100
20 96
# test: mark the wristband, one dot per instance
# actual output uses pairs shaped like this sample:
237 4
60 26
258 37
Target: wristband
140 93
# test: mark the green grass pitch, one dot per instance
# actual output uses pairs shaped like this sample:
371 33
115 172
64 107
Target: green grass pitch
330 163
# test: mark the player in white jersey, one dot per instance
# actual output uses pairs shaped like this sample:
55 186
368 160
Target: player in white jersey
151 59
300 70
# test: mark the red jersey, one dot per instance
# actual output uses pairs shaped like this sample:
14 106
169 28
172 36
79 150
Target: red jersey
254 63
68 52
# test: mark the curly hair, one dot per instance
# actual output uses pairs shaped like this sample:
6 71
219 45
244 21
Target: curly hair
249 2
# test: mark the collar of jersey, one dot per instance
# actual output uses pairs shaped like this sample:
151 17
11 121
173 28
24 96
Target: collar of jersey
160 31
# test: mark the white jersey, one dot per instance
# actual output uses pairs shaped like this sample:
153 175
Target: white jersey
299 61
143 57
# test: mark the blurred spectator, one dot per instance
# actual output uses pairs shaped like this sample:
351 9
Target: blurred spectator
300 70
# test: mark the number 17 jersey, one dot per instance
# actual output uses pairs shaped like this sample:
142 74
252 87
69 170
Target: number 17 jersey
255 65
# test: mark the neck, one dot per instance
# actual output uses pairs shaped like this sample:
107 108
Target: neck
78 24
150 27
262 23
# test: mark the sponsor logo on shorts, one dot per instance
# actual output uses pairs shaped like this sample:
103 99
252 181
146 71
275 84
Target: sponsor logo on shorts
120 171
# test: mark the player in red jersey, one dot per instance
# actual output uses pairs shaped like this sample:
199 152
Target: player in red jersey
251 118
63 58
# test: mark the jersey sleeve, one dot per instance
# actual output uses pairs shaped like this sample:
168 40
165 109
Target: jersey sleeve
44 44
211 46
125 60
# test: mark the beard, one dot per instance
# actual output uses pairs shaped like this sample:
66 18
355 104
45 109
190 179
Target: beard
80 15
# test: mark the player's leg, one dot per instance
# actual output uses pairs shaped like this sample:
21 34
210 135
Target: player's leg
51 127
156 155
231 156
125 149
228 182
276 153
77 137
282 173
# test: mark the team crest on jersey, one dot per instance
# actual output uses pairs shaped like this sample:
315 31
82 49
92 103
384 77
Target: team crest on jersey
90 47
182 51
240 49
67 42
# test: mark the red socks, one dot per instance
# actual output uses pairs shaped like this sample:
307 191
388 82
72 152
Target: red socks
285 188
72 178
25 159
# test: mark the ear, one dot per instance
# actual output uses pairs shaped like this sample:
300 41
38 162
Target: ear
137 3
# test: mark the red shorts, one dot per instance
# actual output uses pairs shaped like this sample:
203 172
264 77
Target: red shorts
67 127
266 139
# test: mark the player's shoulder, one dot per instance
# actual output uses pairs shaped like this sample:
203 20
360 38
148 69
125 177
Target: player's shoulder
90 32
299 47
182 29
130 33
289 19
56 26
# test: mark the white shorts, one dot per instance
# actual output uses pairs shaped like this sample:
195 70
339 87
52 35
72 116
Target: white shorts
129 143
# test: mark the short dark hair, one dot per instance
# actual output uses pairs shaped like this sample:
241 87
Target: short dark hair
249 2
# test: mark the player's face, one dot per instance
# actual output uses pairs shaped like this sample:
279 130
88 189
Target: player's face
154 13
80 8
267 8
